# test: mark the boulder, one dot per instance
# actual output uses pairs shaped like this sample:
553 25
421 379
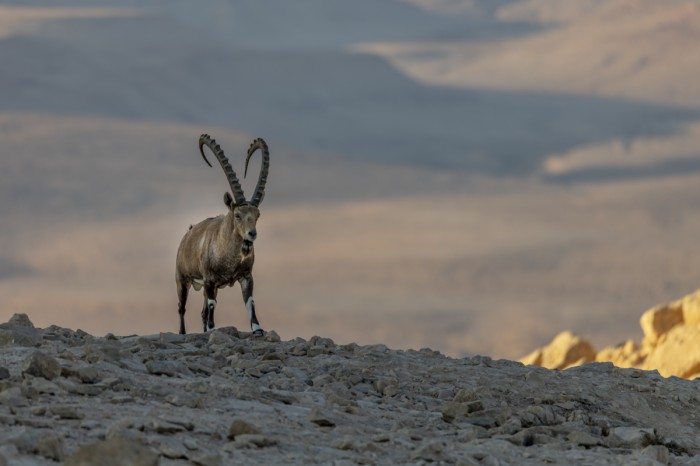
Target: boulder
678 354
40 364
627 354
657 321
564 351
691 309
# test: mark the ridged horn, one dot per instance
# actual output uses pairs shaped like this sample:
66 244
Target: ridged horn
259 193
206 140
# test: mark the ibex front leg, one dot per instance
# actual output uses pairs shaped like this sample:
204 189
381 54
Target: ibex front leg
247 290
209 306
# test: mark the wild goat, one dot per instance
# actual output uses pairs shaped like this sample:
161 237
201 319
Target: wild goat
218 251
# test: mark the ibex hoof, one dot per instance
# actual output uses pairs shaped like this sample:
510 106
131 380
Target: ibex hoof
258 333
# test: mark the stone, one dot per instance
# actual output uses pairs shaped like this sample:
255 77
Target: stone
172 448
218 337
658 453
66 412
14 397
631 437
4 373
167 368
677 354
320 418
257 440
657 321
39 364
20 320
116 451
19 336
41 442
206 459
452 410
564 351
241 427
691 309
161 426
627 354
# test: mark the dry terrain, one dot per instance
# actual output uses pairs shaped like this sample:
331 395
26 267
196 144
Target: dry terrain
226 398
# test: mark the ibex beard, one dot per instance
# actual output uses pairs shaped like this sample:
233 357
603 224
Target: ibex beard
218 252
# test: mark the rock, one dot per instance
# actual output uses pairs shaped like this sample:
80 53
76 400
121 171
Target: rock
659 320
168 368
161 426
20 320
41 442
631 437
678 353
66 412
320 418
172 448
13 396
691 309
241 427
564 351
206 459
658 453
432 451
40 364
117 451
452 410
4 373
257 440
11 334
218 337
627 354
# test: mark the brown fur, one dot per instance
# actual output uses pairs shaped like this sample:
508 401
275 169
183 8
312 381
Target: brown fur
213 252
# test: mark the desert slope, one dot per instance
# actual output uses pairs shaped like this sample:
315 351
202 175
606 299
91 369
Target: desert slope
226 398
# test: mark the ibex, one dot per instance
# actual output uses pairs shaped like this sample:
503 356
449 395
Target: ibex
218 251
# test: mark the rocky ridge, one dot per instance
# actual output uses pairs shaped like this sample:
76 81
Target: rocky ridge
671 344
225 397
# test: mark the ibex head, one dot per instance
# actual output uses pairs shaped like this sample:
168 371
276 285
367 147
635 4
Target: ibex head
244 218
245 212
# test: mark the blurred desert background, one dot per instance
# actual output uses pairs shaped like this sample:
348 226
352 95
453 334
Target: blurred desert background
468 175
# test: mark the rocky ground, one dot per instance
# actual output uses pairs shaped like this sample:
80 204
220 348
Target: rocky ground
228 398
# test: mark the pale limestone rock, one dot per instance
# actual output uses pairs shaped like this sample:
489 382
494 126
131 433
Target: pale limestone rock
627 354
564 351
691 309
659 320
678 354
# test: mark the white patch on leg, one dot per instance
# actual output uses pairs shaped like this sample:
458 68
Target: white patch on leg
211 305
250 304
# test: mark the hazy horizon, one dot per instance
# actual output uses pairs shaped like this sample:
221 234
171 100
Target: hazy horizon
436 179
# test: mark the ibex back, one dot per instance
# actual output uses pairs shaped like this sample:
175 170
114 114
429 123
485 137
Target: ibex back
218 252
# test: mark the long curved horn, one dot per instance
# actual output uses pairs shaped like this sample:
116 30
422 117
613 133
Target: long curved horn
206 140
264 168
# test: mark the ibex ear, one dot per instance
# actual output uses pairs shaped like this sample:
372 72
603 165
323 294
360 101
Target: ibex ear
228 200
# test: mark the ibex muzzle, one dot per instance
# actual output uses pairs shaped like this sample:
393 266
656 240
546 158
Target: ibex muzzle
218 251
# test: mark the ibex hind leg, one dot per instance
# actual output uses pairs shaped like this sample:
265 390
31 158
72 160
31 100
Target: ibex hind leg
209 307
182 290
